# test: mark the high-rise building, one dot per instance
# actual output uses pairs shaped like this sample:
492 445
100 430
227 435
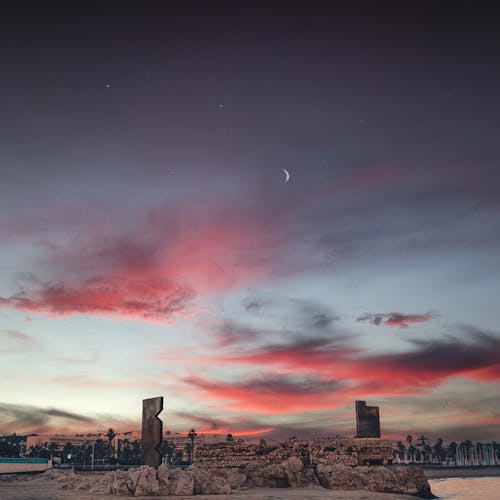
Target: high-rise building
367 421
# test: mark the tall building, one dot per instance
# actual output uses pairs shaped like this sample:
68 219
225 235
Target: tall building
367 421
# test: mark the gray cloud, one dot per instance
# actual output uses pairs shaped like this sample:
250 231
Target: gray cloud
301 313
27 418
14 341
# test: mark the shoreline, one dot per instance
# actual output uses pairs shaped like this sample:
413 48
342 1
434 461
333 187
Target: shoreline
465 472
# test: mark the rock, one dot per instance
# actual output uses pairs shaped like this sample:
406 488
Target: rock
295 473
175 482
415 482
82 484
205 480
401 480
164 479
182 482
139 482
54 473
101 487
236 478
118 483
147 484
69 480
210 482
271 476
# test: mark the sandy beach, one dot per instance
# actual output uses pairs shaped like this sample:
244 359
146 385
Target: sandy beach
40 488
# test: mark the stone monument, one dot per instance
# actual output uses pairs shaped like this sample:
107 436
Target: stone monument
152 430
367 420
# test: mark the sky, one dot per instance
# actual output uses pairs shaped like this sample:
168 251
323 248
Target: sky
150 244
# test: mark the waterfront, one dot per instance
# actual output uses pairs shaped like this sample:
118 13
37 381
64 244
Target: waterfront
466 488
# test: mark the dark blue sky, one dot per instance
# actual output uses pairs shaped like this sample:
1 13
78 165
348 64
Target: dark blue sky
149 241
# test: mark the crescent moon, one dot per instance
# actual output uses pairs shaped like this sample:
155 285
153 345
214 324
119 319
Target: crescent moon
287 175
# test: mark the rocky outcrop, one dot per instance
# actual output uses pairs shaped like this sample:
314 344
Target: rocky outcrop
291 473
143 481
410 481
347 451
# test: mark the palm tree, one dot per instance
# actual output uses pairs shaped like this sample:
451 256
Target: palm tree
439 450
191 435
189 447
409 439
427 452
111 435
411 452
167 449
468 447
422 441
452 451
401 449
229 438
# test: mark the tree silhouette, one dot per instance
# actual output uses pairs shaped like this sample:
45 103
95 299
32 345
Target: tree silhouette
111 435
167 449
401 449
189 447
439 450
191 435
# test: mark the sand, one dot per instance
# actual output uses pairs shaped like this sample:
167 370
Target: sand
467 488
41 488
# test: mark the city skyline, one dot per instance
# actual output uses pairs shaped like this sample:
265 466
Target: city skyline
261 214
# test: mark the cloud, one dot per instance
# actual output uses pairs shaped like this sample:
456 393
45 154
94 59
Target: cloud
14 341
94 384
427 362
238 426
305 314
477 356
394 319
147 299
26 418
271 394
230 333
153 269
322 355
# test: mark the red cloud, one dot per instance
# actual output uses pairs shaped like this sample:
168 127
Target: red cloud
426 364
271 395
319 356
402 320
395 319
117 295
155 277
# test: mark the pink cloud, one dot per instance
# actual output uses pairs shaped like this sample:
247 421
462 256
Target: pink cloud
395 319
272 395
154 274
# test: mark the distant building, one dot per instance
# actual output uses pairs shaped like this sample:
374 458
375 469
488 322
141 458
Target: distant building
367 421
179 439
60 440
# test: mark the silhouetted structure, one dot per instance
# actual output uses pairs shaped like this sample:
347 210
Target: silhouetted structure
152 428
367 421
